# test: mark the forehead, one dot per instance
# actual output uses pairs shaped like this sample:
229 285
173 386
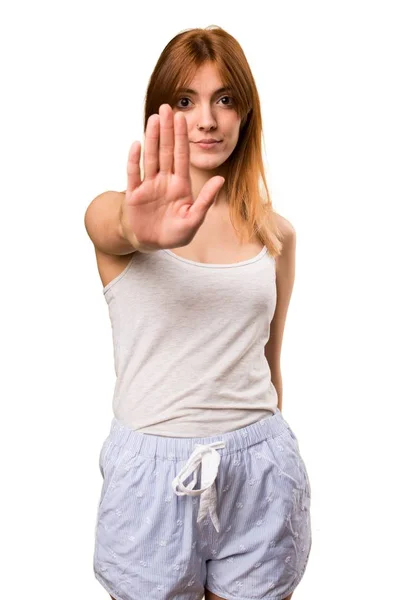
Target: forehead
206 79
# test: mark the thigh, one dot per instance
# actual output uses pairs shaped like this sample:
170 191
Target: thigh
264 501
146 543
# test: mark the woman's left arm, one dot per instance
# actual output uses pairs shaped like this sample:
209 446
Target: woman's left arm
285 275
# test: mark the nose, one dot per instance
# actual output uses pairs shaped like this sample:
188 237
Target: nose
206 119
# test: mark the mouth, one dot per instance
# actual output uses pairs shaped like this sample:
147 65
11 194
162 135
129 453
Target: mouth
207 145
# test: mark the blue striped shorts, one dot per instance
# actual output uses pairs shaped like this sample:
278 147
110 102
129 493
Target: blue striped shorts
230 513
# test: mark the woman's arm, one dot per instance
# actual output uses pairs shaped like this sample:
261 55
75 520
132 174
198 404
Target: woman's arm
285 274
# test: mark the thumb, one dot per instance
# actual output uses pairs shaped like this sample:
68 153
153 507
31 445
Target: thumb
206 198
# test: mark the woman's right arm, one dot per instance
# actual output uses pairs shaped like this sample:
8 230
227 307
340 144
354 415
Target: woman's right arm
102 223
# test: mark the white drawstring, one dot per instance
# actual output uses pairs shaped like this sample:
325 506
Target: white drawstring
209 459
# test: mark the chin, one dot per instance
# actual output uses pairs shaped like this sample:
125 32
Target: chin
207 162
206 165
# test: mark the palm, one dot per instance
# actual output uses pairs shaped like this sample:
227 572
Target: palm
160 206
160 211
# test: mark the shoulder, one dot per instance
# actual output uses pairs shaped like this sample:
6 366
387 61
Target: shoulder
286 260
286 228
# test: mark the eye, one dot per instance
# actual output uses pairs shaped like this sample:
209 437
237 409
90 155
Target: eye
188 99
180 99
231 99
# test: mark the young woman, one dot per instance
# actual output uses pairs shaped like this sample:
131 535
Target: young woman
204 487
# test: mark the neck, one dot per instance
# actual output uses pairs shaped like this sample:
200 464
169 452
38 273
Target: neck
199 179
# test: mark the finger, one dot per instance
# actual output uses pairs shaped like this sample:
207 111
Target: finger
181 151
166 156
205 199
133 167
151 150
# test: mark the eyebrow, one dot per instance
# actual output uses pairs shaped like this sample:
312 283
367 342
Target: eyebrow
190 91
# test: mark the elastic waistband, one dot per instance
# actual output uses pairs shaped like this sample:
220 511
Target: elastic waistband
180 448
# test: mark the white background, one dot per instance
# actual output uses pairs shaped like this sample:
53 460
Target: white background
74 76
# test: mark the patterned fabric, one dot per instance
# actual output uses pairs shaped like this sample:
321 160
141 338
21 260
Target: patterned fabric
150 540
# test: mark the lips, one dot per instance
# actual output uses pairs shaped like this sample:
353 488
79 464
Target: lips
207 145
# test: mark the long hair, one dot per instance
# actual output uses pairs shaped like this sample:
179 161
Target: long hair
246 188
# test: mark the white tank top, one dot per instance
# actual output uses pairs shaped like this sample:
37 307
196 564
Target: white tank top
189 341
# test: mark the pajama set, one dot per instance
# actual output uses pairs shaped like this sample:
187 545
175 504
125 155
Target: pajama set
203 481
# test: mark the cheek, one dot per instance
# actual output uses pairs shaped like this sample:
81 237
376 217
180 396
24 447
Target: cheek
233 129
232 140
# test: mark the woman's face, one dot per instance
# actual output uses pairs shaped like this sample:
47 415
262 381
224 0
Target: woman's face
209 113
